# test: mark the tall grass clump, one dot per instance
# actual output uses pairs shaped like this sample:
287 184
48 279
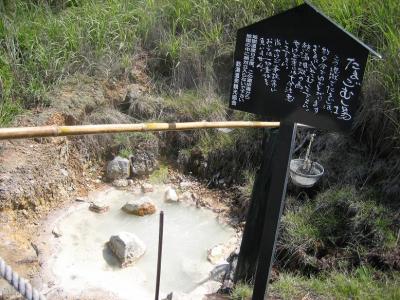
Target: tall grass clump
42 46
241 292
341 228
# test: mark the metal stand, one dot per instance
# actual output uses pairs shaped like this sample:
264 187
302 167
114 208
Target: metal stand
275 200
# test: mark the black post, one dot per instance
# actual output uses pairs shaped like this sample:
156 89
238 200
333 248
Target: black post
275 200
251 240
160 244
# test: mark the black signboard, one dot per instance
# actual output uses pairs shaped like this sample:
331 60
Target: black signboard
295 67
299 66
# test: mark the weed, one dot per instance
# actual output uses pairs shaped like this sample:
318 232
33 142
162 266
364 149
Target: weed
247 188
241 292
124 152
160 175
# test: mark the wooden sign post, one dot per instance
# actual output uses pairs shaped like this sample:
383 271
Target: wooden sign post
295 67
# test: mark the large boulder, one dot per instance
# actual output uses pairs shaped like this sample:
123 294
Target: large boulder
118 168
143 163
171 195
127 247
143 206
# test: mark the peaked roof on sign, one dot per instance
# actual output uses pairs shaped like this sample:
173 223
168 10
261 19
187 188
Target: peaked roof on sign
372 51
312 8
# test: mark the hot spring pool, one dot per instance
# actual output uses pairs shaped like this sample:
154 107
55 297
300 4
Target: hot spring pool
82 261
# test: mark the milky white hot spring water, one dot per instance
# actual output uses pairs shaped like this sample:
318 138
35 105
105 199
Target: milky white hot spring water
83 261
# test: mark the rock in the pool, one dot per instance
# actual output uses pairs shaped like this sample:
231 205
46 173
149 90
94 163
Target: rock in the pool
127 247
143 206
98 207
171 195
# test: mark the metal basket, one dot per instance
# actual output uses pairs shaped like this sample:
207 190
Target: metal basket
305 180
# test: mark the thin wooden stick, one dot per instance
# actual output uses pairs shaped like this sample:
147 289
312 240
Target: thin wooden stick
49 131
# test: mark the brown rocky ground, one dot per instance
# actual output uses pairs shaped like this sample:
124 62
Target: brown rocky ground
39 175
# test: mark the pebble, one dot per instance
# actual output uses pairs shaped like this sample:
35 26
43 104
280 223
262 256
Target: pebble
56 232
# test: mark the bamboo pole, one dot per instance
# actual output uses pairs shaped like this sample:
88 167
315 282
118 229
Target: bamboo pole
53 131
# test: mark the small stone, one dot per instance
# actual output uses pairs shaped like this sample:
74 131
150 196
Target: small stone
130 182
64 172
98 207
120 183
127 247
56 232
169 296
185 184
171 195
186 196
215 255
219 271
80 199
143 206
25 213
147 188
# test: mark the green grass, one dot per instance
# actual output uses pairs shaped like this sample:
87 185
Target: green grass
160 175
340 225
128 143
196 106
363 283
241 292
189 43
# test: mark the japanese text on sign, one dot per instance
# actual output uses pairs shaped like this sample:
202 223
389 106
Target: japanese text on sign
310 75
